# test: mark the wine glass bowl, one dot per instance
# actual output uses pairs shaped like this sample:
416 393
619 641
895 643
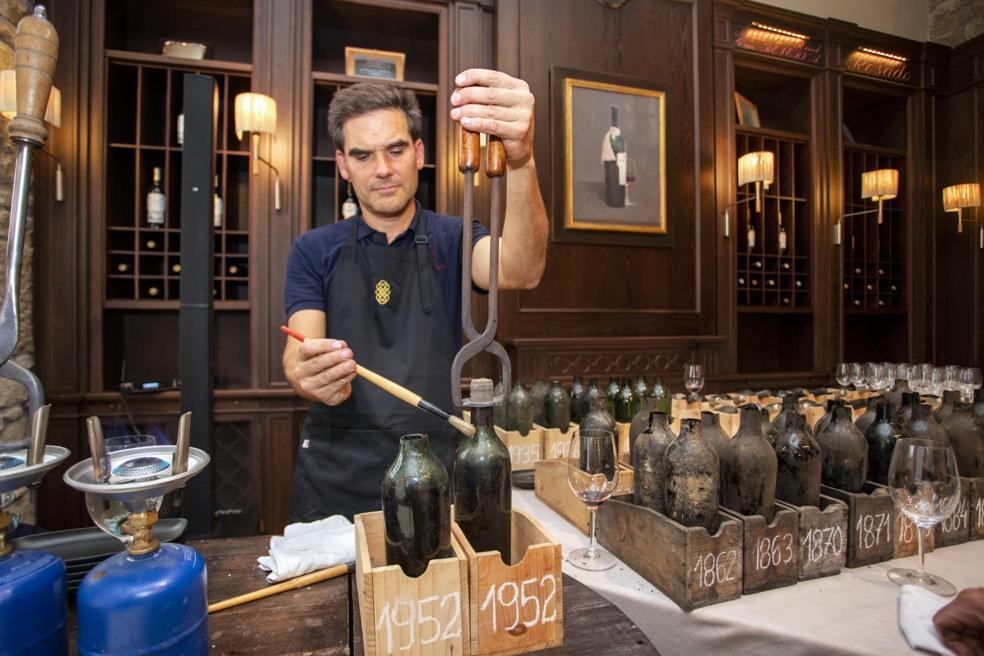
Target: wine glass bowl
924 485
592 473
693 379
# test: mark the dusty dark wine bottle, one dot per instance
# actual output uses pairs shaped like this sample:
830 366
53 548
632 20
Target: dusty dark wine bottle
416 496
868 418
649 480
894 395
558 407
922 424
845 452
538 398
790 406
483 479
881 437
769 431
966 435
600 419
909 401
828 416
748 468
714 435
519 410
799 463
576 393
692 479
979 403
946 408
641 420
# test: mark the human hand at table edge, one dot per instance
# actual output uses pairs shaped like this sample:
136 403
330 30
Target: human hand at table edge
320 368
497 104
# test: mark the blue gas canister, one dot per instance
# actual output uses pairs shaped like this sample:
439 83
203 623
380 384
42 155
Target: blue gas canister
32 605
153 603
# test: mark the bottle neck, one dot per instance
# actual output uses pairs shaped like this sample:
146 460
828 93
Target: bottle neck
709 418
885 412
842 413
657 419
796 422
481 417
751 419
414 446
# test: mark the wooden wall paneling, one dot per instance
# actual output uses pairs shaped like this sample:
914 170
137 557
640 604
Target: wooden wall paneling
278 439
922 244
824 163
96 171
725 178
831 303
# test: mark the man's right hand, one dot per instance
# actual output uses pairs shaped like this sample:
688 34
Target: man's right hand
323 370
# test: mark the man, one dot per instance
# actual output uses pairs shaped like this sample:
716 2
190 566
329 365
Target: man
385 286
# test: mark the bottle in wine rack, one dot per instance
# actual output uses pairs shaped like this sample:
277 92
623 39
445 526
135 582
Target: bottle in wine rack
782 239
237 269
217 207
153 244
176 267
156 201
153 291
750 237
757 264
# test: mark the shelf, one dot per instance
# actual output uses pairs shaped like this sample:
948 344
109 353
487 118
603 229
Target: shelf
786 135
127 56
779 309
151 306
345 80
874 150
890 312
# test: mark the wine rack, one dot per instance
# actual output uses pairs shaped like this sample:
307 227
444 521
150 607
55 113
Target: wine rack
337 24
769 276
143 102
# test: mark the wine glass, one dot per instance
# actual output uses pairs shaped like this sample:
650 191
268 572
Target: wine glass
843 375
630 177
857 375
592 473
874 374
693 380
923 483
937 381
970 380
951 377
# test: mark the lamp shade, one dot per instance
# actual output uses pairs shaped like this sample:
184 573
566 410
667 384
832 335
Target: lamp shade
8 99
882 184
758 166
255 112
962 195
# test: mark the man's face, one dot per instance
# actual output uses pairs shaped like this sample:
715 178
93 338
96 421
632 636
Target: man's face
381 161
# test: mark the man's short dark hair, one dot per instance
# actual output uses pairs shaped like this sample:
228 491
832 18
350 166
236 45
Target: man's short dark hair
366 97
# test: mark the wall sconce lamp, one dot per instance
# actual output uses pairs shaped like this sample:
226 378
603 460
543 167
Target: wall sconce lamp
52 116
756 168
256 113
879 186
958 197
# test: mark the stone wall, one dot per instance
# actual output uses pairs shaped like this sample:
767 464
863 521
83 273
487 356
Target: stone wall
14 420
951 22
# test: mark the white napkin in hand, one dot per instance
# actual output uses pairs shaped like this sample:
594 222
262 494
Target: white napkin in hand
916 609
309 547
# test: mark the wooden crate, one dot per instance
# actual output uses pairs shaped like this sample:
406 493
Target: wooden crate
524 450
555 443
870 537
822 538
691 567
402 615
976 508
770 557
516 608
553 489
905 538
955 528
623 436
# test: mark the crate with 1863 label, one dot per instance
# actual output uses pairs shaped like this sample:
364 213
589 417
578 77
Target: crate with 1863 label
517 607
771 549
422 616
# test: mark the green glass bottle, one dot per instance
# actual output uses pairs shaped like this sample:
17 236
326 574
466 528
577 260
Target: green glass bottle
664 402
483 480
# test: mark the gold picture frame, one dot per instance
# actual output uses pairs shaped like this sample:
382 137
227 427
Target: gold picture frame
748 113
590 102
375 64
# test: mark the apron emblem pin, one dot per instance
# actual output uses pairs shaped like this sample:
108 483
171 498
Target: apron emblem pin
382 292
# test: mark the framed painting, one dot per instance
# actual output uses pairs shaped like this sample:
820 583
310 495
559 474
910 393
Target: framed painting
611 132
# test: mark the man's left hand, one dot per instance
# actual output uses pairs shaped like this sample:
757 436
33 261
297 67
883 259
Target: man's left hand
497 104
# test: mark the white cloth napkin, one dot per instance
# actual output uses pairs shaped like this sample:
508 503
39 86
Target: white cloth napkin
916 609
309 547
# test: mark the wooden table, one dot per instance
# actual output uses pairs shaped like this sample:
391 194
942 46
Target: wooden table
322 619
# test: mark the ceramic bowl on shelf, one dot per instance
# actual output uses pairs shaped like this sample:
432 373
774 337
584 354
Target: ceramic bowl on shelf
184 49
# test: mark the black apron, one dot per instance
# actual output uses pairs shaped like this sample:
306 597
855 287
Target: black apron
386 303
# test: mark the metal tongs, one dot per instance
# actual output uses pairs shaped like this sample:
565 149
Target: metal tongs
35 56
469 152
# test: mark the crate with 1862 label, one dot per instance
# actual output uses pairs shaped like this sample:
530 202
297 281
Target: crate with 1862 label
771 549
517 607
524 450
691 566
822 538
422 616
870 538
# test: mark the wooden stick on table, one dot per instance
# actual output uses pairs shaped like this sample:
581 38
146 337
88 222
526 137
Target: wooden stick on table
292 584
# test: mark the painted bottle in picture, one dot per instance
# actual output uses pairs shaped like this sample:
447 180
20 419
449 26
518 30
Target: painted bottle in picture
613 158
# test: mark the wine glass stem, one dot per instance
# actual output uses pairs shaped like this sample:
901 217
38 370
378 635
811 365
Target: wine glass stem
922 554
591 544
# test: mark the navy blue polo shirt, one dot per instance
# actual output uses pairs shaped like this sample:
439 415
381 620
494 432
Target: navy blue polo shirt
314 255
